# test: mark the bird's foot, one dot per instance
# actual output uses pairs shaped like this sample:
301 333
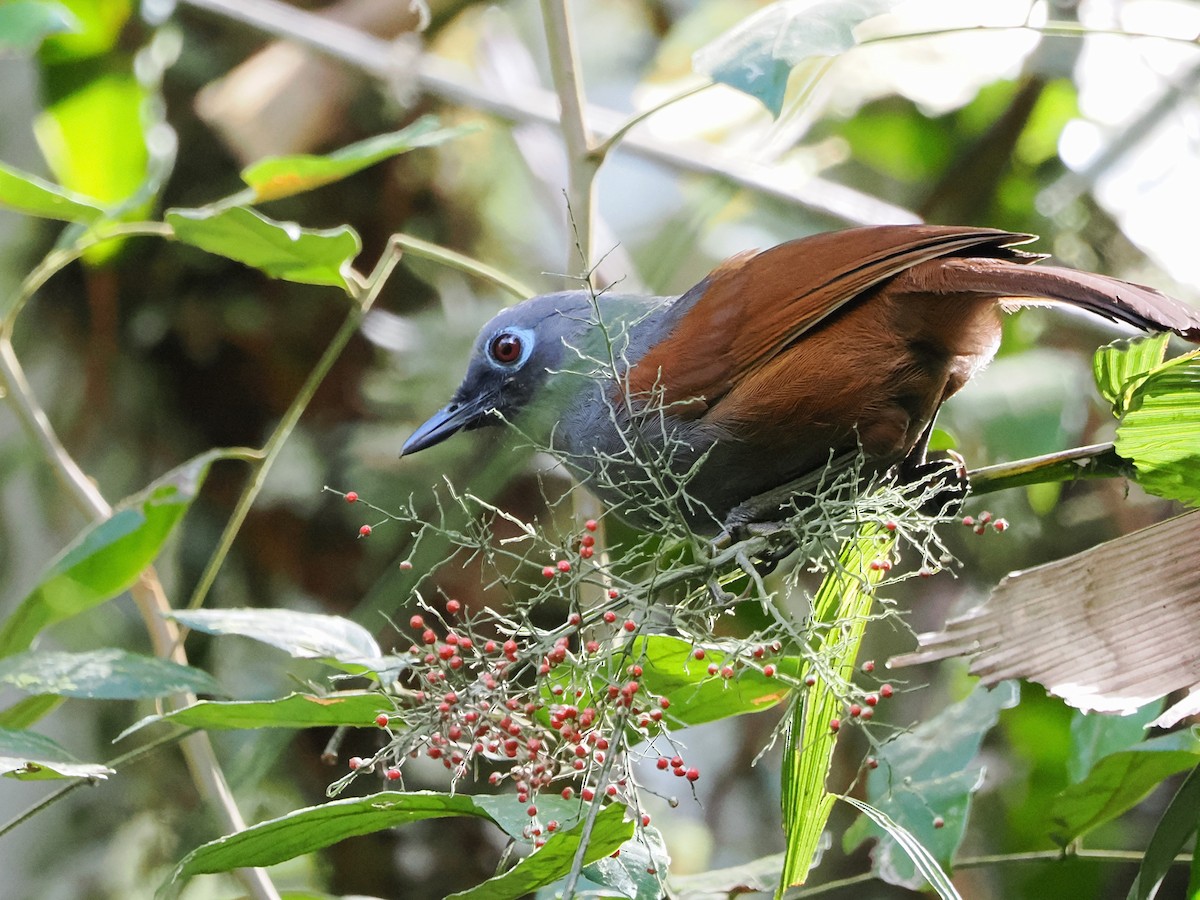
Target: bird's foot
946 482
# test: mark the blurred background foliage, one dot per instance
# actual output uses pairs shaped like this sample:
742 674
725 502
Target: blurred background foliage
153 352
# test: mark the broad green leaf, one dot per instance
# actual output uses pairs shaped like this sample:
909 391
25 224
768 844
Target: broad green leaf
1178 823
292 711
845 596
925 774
98 26
300 634
669 670
761 875
1094 736
640 870
35 197
24 24
1121 365
314 827
280 249
1160 431
27 756
922 860
758 55
554 860
93 140
283 176
26 712
107 557
108 674
1119 782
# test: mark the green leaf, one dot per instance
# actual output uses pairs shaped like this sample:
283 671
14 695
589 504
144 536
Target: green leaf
551 862
108 674
283 176
761 875
923 861
845 596
1160 431
758 55
1178 823
639 871
107 557
1193 888
925 774
27 756
280 249
1122 365
24 24
1095 736
1119 782
300 634
293 711
26 712
35 197
312 828
99 24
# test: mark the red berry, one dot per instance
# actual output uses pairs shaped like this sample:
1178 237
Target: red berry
712 669
692 774
630 625
1000 524
564 565
727 671
452 607
664 702
985 517
585 553
769 670
364 531
855 710
645 819
552 825
574 619
405 565
868 666
592 646
352 496
392 774
662 762
591 525
416 623
872 762
429 636
587 541
532 811
611 790
886 690
588 794
548 571
354 762
868 713
381 720
567 794
889 525
613 593
635 670
610 616
939 822
871 699
968 521
698 653
677 761
810 680
834 725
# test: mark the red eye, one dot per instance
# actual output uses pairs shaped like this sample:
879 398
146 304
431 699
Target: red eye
506 348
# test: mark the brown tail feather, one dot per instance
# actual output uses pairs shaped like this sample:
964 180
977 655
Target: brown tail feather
1120 301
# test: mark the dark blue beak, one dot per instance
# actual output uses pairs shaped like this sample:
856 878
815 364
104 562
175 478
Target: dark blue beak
448 421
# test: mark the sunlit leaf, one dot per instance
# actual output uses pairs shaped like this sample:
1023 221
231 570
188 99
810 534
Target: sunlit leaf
292 711
922 860
283 176
24 24
27 756
300 634
1160 431
97 28
1119 782
555 859
1121 365
108 674
927 774
1177 825
106 558
845 595
36 197
758 55
281 249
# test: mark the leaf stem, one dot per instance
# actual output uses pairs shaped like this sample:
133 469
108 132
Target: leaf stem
1093 461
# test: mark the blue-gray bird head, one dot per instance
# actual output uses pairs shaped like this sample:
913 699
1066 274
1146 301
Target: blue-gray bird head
515 355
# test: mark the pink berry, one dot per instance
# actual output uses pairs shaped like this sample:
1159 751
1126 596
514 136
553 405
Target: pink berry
364 531
769 670
692 774
564 565
416 623
834 725
586 552
548 571
405 566
886 691
591 525
392 774
382 720
630 625
352 496
452 607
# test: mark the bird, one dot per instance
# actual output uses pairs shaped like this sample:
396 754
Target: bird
821 348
